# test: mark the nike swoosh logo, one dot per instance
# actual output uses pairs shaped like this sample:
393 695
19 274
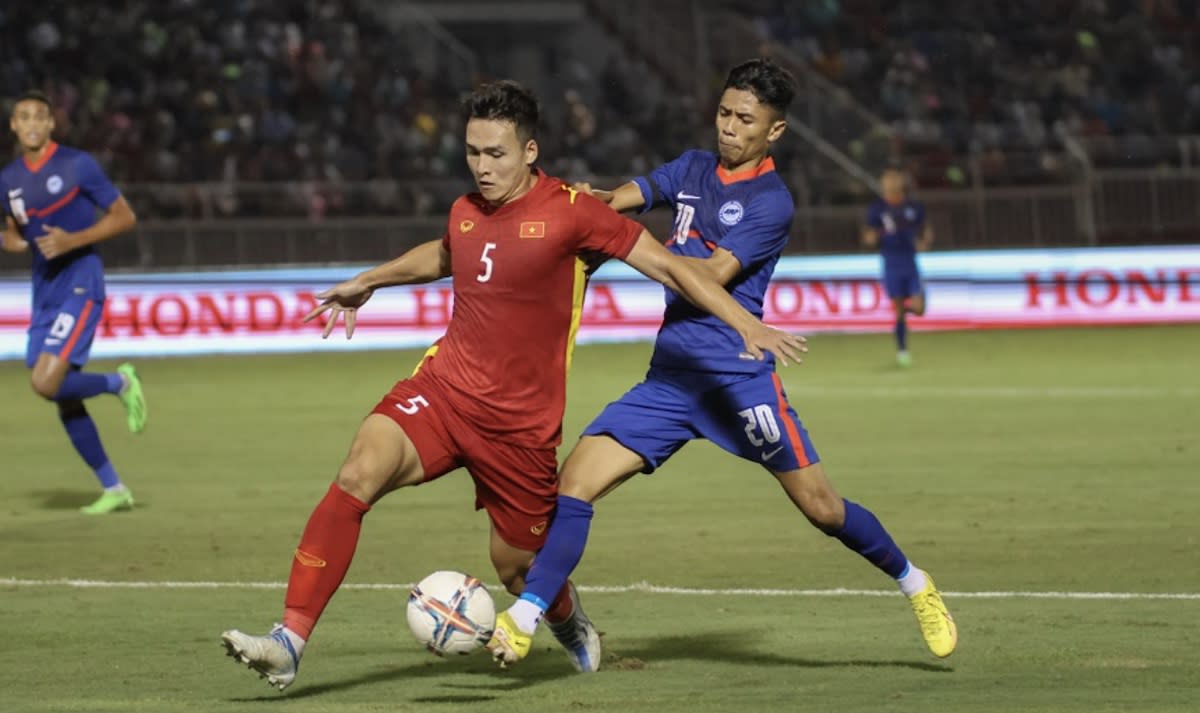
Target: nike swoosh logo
681 196
768 455
308 560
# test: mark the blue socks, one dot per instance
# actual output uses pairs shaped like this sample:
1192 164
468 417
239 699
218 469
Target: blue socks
901 332
82 432
561 554
78 385
863 533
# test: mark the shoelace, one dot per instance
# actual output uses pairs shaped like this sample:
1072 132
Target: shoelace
929 614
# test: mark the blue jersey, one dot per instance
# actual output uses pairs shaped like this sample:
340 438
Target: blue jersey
65 189
748 213
899 227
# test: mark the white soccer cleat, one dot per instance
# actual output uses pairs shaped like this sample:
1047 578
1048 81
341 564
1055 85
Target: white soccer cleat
578 637
272 656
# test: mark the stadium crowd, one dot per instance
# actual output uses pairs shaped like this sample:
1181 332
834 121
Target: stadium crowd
997 79
320 94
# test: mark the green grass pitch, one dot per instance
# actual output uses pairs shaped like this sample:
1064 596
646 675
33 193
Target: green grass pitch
1011 463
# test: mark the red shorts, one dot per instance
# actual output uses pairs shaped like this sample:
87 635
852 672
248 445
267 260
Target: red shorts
515 484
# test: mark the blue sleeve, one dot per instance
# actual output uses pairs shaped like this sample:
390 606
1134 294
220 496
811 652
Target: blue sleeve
94 184
919 208
873 216
660 185
763 231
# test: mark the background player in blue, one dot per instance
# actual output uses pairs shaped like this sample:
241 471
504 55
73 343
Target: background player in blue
733 215
897 225
51 198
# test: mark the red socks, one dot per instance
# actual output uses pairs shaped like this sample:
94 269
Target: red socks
322 559
562 607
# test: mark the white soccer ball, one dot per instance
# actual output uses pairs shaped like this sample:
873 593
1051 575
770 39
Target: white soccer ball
451 613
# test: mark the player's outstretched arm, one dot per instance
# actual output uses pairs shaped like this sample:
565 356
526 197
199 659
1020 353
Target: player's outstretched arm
118 218
625 197
425 263
10 239
653 260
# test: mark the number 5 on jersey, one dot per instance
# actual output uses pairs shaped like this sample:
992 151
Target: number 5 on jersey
487 262
414 404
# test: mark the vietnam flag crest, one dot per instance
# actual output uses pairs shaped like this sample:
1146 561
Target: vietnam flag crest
533 229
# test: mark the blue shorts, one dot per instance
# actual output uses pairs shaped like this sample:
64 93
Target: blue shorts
66 331
745 414
903 283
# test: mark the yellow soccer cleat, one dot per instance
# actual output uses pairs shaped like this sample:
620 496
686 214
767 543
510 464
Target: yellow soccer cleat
937 626
508 644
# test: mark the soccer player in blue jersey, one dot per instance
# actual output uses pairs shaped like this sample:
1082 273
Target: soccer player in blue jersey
896 224
51 198
733 216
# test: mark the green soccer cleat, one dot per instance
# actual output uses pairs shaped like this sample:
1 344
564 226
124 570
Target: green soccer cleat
110 501
904 359
133 398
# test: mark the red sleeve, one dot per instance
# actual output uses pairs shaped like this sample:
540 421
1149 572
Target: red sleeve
601 229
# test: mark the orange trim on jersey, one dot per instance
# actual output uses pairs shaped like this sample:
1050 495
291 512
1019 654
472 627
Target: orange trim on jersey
65 352
53 207
35 166
578 290
765 167
789 424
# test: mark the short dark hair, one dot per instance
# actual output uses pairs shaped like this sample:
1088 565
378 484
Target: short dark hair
36 96
504 100
771 84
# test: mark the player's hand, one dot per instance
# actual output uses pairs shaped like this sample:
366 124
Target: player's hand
783 345
12 243
585 187
344 298
54 242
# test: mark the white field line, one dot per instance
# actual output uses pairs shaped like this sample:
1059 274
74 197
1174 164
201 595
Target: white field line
641 587
996 392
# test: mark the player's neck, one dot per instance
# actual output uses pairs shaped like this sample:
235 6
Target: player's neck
893 198
522 189
748 165
35 156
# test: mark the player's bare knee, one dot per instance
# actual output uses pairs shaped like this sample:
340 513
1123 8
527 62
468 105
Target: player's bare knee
811 492
357 477
511 574
45 385
826 512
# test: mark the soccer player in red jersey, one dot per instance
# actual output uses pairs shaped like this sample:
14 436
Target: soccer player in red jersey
489 396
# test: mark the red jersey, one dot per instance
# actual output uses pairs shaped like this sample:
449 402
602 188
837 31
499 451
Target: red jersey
519 280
